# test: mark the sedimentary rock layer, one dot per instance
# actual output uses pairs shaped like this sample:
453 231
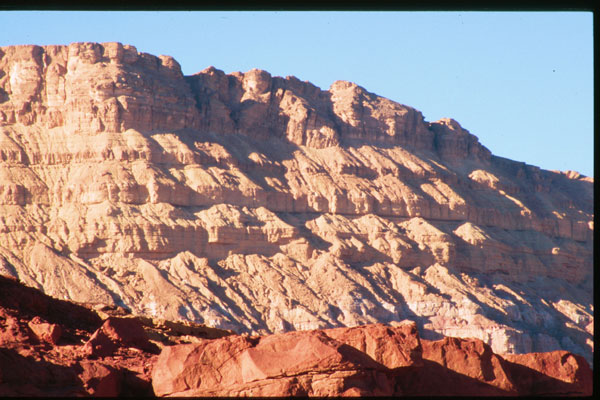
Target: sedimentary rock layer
264 204
369 360
52 347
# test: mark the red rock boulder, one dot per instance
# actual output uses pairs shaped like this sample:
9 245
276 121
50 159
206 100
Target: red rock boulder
456 367
308 363
44 331
552 373
115 333
393 347
100 380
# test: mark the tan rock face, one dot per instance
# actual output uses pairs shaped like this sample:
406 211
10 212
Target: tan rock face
88 87
263 204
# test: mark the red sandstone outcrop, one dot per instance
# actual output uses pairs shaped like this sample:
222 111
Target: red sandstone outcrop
45 346
551 373
468 367
360 361
265 204
472 358
294 363
199 361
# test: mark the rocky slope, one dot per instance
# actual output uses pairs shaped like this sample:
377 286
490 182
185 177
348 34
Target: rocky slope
56 348
265 205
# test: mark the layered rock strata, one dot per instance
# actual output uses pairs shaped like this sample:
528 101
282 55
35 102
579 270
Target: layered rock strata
57 348
264 205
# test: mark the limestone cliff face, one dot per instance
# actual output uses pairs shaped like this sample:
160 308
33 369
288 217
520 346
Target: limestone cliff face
264 204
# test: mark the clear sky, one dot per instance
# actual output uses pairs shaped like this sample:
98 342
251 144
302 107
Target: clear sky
521 82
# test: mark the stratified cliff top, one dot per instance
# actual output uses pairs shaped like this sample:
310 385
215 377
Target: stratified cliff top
51 86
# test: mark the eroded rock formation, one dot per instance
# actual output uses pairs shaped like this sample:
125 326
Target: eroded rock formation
266 205
369 360
57 348
52 347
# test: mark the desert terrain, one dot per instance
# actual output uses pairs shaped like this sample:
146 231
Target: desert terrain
265 206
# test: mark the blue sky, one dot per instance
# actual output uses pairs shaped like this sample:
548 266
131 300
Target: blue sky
521 82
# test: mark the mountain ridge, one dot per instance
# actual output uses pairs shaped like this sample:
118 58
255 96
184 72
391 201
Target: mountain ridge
265 204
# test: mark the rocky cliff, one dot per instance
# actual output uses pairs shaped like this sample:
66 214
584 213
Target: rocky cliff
264 204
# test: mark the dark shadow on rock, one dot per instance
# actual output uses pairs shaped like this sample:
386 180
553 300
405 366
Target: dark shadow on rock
433 379
31 302
134 386
25 376
299 220
534 383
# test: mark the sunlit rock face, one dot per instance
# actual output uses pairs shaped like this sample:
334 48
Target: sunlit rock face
264 204
54 347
